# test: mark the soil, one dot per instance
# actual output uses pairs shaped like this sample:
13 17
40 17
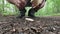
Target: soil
40 25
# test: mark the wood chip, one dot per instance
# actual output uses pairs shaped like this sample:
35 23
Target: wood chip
29 19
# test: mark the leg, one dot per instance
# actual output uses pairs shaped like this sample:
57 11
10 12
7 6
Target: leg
22 13
31 12
28 3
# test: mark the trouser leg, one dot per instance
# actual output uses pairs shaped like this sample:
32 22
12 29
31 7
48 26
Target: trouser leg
28 3
22 13
31 12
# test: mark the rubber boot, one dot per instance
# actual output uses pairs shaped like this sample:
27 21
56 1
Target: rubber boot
31 13
22 13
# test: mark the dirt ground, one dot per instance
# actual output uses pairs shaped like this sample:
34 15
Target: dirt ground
40 25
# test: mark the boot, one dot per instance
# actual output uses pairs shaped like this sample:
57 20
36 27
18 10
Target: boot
31 12
22 13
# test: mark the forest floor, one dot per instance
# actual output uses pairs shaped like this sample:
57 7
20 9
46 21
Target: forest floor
40 25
